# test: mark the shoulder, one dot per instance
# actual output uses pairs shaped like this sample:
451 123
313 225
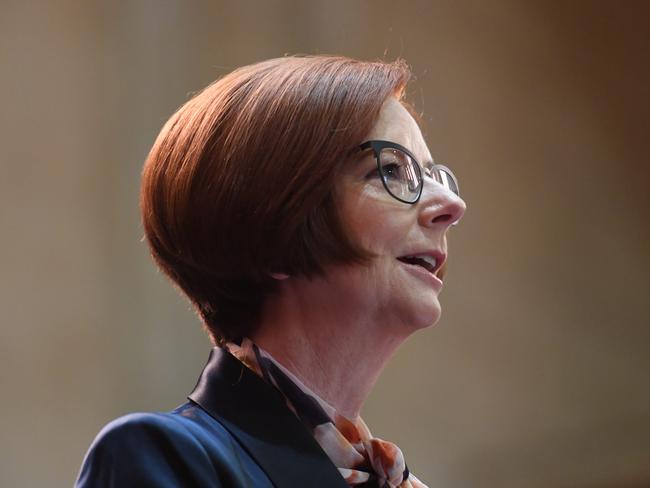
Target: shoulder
145 433
185 447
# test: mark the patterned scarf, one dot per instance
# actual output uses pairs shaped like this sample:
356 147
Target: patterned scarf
360 458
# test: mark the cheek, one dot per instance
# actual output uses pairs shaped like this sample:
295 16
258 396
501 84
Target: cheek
379 231
385 238
375 220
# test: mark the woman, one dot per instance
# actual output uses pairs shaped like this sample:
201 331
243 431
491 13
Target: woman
296 204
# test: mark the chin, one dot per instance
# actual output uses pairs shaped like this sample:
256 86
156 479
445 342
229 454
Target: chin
424 315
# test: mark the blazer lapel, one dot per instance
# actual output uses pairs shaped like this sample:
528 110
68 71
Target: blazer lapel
256 414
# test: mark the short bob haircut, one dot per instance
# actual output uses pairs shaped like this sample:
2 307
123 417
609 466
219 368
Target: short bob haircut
240 181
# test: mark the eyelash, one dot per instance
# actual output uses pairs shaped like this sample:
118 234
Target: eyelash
375 172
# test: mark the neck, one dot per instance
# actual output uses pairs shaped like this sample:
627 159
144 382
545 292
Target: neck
336 347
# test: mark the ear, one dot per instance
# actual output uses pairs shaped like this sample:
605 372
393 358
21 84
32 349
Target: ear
279 276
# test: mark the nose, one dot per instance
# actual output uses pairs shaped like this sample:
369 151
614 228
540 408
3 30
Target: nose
439 206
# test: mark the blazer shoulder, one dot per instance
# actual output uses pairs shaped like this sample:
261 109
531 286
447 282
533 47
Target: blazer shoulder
179 448
135 431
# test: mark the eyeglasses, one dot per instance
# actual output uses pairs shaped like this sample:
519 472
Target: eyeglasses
401 173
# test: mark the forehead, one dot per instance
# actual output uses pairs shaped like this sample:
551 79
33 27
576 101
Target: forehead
396 124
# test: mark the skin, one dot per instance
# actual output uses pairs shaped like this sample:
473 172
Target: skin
337 332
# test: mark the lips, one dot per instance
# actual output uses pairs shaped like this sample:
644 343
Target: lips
431 261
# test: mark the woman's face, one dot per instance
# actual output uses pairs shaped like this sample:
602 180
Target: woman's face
395 286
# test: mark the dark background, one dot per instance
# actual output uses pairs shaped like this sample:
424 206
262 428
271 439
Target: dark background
536 375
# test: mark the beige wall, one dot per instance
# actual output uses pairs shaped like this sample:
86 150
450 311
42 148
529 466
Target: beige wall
537 374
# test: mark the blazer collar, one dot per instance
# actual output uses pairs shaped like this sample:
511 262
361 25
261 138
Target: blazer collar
256 414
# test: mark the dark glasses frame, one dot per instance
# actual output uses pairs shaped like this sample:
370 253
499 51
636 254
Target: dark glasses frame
377 145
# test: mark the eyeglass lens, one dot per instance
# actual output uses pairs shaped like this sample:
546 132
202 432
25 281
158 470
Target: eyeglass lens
401 174
446 178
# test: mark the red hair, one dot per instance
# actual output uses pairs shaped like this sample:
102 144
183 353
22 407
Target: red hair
239 182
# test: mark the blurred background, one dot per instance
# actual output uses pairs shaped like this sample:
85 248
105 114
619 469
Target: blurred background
537 373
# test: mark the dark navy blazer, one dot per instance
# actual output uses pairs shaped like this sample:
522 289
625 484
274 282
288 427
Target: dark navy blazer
235 431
